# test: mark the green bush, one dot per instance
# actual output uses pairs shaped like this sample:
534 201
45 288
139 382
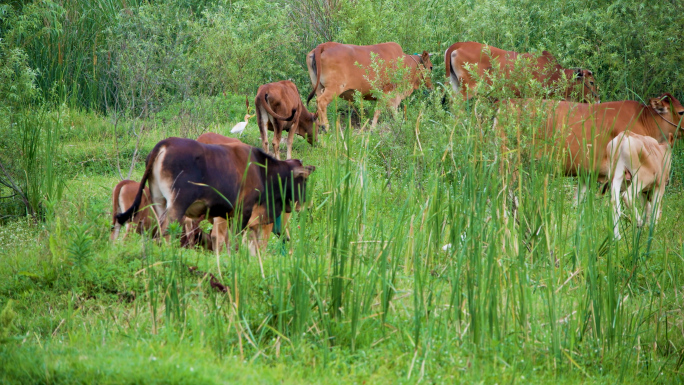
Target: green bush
243 45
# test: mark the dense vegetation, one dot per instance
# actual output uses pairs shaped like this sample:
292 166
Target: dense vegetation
403 267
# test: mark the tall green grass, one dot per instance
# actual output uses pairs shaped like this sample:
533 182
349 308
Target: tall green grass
365 272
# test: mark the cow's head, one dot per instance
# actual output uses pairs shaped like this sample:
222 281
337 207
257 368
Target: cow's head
295 189
589 90
306 126
427 64
668 107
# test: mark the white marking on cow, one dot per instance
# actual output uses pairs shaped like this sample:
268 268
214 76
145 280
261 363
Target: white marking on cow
159 190
455 84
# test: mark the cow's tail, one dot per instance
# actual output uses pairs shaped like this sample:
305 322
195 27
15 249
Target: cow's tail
447 61
126 215
115 200
316 67
267 107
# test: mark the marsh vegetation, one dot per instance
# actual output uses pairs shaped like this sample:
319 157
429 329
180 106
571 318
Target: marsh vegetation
403 267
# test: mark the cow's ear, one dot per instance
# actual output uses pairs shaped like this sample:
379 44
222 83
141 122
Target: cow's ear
579 73
303 172
660 105
589 73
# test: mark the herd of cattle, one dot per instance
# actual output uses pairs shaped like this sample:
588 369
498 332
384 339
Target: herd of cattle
220 179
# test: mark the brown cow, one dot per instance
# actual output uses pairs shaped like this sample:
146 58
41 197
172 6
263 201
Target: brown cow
340 69
586 129
259 229
278 108
546 70
190 178
644 164
122 198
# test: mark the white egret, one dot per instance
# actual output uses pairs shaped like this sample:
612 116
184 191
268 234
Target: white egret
238 128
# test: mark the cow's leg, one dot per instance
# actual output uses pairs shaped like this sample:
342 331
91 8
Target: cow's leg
322 102
159 205
654 203
285 219
129 227
636 202
376 115
395 102
263 122
290 137
258 238
218 234
581 192
115 231
616 186
277 135
630 197
190 231
263 235
649 206
658 196
173 214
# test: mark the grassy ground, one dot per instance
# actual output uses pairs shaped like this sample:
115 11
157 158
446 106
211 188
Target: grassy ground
365 291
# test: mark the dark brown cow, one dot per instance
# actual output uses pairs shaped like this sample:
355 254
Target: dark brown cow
190 178
278 108
586 129
340 69
546 70
259 229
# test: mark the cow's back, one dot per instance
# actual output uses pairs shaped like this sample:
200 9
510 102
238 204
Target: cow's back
213 138
207 170
346 66
590 127
583 129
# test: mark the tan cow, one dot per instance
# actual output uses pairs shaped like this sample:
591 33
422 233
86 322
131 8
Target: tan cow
278 108
341 69
638 167
461 57
584 130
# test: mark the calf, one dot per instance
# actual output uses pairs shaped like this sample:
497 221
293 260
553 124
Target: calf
278 109
123 197
639 167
